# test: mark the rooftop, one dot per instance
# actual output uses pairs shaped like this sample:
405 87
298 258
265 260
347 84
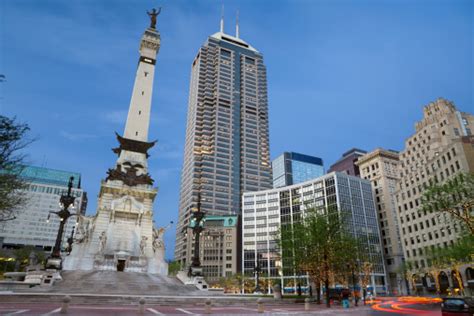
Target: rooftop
233 40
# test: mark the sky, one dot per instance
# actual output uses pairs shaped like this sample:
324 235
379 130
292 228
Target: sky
341 74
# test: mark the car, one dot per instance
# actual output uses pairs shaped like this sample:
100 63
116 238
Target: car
457 306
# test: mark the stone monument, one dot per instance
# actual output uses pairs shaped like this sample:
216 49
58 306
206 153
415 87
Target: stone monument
121 236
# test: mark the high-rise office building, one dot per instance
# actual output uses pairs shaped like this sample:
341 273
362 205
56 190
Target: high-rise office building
440 148
226 148
347 162
264 212
34 225
292 168
380 167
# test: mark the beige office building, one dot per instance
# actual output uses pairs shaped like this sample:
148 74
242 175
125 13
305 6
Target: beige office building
218 246
441 147
380 167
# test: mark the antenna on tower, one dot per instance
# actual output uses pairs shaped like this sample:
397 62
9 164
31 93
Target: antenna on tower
237 33
222 19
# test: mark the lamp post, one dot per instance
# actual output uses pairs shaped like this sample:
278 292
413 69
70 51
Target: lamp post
257 271
198 217
65 202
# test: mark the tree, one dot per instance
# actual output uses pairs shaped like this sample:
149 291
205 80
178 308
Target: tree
455 197
405 271
230 284
13 138
319 246
173 268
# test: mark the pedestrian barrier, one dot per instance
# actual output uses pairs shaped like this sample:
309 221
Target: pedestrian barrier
65 305
208 308
141 306
260 307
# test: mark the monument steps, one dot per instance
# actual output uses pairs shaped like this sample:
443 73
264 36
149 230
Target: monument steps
113 282
99 299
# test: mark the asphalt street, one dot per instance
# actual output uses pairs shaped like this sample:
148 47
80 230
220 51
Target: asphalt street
387 306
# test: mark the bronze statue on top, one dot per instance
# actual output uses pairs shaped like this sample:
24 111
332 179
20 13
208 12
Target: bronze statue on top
153 14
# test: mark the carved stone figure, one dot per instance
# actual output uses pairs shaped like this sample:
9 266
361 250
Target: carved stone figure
143 245
84 229
158 241
33 259
103 241
129 177
153 14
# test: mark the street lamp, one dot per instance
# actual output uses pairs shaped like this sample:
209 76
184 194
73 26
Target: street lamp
65 202
257 271
198 217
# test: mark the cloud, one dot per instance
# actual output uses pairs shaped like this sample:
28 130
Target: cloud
76 136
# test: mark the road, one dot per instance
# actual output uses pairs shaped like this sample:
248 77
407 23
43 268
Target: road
385 307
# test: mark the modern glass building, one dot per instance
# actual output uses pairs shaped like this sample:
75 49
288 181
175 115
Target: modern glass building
264 212
226 148
292 168
33 225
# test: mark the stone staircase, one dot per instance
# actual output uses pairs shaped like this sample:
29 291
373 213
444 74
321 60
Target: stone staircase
113 282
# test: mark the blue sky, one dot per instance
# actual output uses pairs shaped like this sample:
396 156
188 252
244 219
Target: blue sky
341 74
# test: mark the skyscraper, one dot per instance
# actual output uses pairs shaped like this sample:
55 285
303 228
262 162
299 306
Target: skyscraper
292 168
226 149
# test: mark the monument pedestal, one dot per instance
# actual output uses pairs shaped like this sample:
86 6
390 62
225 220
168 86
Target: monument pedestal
197 281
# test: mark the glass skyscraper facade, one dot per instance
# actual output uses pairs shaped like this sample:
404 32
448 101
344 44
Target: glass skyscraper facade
292 168
264 212
226 148
31 225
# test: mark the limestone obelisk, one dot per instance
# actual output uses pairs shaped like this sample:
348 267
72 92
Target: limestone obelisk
121 236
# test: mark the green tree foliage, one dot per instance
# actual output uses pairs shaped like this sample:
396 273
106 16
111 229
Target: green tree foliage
455 197
23 254
320 246
173 268
12 140
460 252
230 284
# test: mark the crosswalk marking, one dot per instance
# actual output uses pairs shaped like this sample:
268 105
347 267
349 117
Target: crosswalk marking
54 311
18 312
184 311
154 311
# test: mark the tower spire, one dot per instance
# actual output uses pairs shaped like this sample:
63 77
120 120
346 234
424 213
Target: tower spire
222 19
237 33
138 119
